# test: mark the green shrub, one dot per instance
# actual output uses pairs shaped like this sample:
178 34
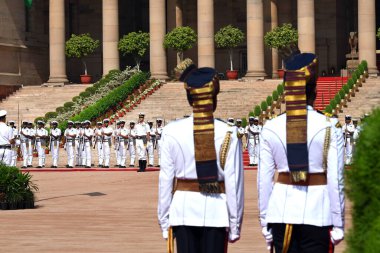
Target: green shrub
363 189
280 89
112 73
357 72
361 69
328 109
337 98
50 115
354 77
244 122
365 64
333 104
342 93
136 44
275 95
60 109
84 94
180 39
91 90
76 98
346 89
264 105
269 100
68 105
251 114
257 111
350 83
281 37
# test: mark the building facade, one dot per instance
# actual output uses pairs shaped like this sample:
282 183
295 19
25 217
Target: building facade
32 41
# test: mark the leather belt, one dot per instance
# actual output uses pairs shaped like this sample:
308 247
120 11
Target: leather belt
312 179
191 185
140 137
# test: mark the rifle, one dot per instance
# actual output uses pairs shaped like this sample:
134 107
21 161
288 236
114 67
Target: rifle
345 136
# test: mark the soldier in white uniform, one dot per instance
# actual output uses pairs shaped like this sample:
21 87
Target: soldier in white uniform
123 144
252 134
116 140
6 139
204 206
132 143
41 138
16 145
142 138
159 129
107 132
348 130
55 138
88 133
303 209
24 138
78 144
240 130
32 144
98 142
151 143
70 136
231 120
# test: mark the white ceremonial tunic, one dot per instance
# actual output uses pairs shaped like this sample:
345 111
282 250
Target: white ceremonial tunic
320 205
54 144
141 131
24 145
99 147
14 147
6 135
158 147
116 137
40 145
106 145
123 142
150 145
253 142
194 208
348 132
70 145
87 137
32 133
132 146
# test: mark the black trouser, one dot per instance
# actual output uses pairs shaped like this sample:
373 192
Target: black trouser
200 239
304 238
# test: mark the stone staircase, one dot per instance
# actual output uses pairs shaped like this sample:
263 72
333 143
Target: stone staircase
235 100
364 101
35 101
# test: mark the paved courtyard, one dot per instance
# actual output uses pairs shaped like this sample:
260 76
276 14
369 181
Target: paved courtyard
106 212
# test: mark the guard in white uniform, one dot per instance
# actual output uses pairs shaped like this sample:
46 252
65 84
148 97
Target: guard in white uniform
151 143
16 145
32 144
348 130
207 197
88 133
142 139
98 142
303 209
240 130
132 143
123 144
70 136
78 144
55 139
116 140
24 138
252 134
41 138
6 139
159 128
107 132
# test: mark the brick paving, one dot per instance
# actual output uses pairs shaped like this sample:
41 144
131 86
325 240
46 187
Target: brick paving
106 212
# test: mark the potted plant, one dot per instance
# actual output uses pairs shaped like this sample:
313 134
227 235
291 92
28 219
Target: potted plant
180 39
80 46
281 38
135 43
229 37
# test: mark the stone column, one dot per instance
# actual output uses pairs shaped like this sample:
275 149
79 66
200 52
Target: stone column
110 35
274 24
367 34
157 31
178 13
306 26
206 50
57 58
255 40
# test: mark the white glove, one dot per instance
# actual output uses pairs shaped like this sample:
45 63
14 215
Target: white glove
267 236
233 238
336 235
165 234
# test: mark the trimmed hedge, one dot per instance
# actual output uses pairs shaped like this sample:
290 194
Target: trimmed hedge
257 111
269 100
244 122
113 98
264 105
68 105
84 94
50 115
60 109
363 189
275 95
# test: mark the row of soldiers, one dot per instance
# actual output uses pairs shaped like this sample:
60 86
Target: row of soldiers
79 138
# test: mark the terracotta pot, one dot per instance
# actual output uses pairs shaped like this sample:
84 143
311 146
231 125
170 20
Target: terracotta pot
232 74
47 151
280 73
19 158
35 154
85 79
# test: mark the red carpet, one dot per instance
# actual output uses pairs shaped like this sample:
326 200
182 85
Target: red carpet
327 87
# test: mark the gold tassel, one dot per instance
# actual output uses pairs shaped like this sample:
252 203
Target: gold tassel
170 242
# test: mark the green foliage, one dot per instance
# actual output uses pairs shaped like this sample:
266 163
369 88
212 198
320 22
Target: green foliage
281 37
361 69
264 105
275 95
328 109
280 89
350 83
257 111
354 77
16 188
81 45
333 103
91 90
229 37
244 122
337 98
251 114
269 100
363 189
50 115
84 94
68 104
180 39
60 109
365 63
342 93
75 99
346 89
135 43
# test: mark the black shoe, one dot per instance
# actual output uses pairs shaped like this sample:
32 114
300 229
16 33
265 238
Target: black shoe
39 167
131 166
54 167
158 166
122 167
117 165
29 166
106 167
88 167
70 167
150 165
23 167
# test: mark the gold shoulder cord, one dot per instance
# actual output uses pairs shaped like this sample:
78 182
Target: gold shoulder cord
326 147
224 148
